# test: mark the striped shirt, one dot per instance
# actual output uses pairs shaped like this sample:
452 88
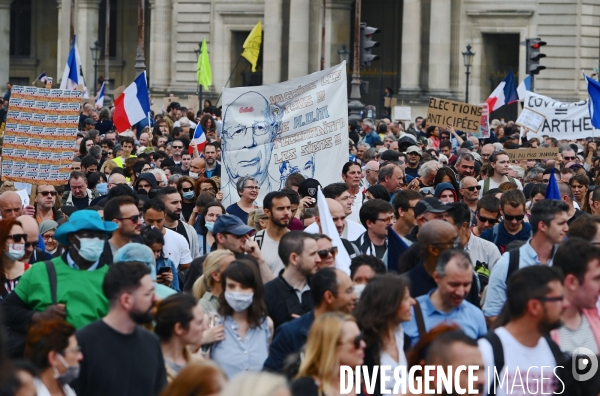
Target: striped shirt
583 336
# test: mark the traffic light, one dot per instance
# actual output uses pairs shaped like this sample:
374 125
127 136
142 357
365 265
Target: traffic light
533 46
366 43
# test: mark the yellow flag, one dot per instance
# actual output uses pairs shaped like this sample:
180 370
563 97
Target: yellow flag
204 72
252 45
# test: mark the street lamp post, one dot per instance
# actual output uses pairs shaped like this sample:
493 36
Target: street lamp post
95 56
468 60
355 106
344 54
197 52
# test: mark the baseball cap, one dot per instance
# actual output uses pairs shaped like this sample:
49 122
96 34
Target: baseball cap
414 149
407 138
309 188
430 205
228 223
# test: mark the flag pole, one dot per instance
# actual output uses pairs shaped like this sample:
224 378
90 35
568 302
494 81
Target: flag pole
232 71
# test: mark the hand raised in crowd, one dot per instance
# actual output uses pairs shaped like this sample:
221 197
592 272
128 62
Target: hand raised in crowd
214 334
28 210
219 196
304 203
413 185
591 148
165 278
55 311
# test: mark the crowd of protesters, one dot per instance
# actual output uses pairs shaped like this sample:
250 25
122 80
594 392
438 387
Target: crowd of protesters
134 279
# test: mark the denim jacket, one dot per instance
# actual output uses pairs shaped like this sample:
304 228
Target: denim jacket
165 262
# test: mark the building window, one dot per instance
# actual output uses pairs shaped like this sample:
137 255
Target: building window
112 50
20 28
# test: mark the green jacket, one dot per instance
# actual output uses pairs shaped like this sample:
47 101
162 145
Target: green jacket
79 290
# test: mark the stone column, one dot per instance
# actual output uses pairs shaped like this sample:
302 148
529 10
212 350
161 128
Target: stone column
411 48
160 44
299 35
272 44
64 38
4 42
338 19
440 47
86 28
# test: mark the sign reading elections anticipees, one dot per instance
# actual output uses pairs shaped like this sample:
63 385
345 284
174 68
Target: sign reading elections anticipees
462 116
272 131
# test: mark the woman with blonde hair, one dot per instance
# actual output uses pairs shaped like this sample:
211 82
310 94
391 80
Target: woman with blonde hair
334 340
257 384
208 287
257 219
108 166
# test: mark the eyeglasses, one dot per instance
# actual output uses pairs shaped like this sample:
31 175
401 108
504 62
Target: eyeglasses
46 193
47 237
511 218
325 252
473 188
74 350
551 299
177 147
258 129
17 237
387 219
134 219
187 189
486 219
356 341
569 158
252 187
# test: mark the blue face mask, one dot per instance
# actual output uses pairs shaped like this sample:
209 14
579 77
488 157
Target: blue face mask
188 195
91 248
102 188
209 225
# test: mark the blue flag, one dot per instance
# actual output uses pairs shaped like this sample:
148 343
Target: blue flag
594 103
552 192
396 247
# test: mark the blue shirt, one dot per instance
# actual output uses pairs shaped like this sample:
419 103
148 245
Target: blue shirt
235 355
466 315
496 290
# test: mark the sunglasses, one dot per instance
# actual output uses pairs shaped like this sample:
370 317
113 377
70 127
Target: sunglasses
18 237
31 244
473 188
325 252
177 147
46 193
356 341
187 189
569 158
134 219
511 218
486 219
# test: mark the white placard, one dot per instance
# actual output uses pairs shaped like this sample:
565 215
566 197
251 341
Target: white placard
272 131
531 120
402 113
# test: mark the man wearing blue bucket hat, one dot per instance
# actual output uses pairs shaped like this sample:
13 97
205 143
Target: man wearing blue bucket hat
78 275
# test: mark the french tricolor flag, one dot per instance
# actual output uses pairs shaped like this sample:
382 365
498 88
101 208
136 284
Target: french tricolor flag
133 105
505 93
73 74
199 139
100 98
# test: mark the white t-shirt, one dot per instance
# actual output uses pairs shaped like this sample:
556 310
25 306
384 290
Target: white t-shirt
176 248
352 231
526 367
270 253
493 184
356 205
41 389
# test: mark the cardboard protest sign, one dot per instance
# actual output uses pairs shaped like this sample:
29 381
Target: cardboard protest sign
532 154
40 135
462 116
272 131
531 120
563 120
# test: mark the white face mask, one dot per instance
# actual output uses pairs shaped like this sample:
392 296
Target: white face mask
193 175
16 251
238 301
358 289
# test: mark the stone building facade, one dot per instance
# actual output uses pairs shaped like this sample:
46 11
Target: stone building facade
421 42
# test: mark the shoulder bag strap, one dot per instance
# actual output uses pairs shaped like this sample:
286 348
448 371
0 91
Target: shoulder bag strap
498 352
513 262
419 319
52 278
486 185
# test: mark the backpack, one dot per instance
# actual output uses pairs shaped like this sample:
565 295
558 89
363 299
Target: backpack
514 256
486 183
498 352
